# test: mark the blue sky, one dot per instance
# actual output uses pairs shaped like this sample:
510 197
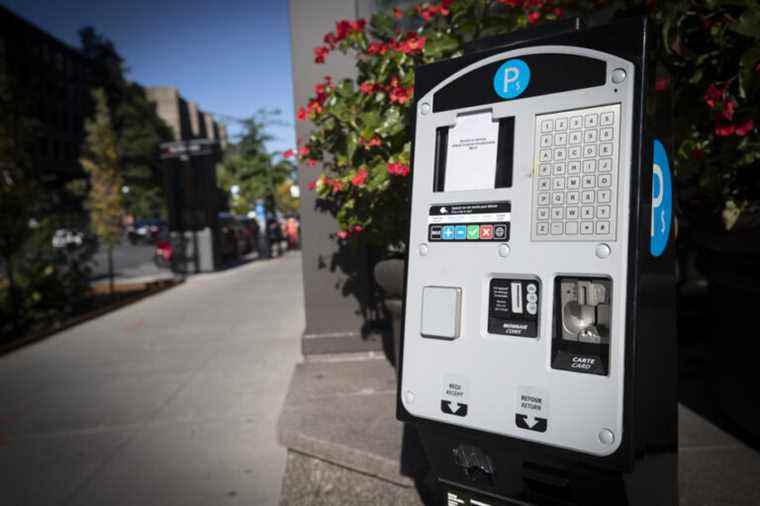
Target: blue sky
228 56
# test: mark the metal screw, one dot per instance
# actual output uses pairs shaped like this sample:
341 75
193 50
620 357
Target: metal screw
504 250
606 437
409 397
423 249
425 108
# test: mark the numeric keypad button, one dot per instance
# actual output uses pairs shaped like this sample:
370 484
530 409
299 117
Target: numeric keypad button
543 199
575 137
590 120
558 213
573 182
589 166
542 213
560 154
589 136
547 125
560 124
572 213
589 150
587 197
545 155
604 196
544 169
587 212
542 228
605 180
546 140
574 167
607 118
556 228
543 184
605 149
574 152
605 165
558 198
588 181
602 227
558 183
559 169
573 197
571 228
576 122
605 134
560 139
587 227
603 212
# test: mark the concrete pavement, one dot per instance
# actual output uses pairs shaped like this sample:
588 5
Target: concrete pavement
169 401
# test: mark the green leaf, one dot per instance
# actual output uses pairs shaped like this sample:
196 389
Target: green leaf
748 24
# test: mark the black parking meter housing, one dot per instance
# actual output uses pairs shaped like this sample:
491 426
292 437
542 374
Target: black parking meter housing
478 451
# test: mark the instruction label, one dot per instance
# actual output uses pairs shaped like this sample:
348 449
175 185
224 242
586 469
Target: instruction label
454 399
470 222
513 306
532 408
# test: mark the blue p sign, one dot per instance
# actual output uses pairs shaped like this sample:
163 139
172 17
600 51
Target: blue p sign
511 79
662 201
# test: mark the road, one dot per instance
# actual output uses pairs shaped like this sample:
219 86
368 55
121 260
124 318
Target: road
130 261
169 401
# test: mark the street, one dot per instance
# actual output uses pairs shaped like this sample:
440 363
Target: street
130 261
170 401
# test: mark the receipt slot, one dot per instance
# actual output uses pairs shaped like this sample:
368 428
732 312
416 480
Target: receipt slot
538 351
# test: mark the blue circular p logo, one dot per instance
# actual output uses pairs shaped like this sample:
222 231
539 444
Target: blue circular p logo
662 201
511 79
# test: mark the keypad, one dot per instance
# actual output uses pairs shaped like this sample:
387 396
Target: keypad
575 175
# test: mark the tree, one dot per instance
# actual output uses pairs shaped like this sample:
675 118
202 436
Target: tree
16 190
249 172
138 128
101 160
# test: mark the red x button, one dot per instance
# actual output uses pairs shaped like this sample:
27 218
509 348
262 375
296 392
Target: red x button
486 231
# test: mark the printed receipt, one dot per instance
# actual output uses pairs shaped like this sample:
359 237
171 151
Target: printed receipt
471 156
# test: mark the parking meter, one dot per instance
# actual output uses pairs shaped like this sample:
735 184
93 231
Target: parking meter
538 352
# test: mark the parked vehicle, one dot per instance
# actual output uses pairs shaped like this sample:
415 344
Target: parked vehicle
145 231
231 235
250 228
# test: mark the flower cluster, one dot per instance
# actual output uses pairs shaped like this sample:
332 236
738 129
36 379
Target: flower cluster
343 29
724 107
429 11
398 169
315 105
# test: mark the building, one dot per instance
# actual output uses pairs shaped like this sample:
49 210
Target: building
51 81
185 118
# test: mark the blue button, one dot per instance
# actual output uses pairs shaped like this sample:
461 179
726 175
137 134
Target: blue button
460 232
448 233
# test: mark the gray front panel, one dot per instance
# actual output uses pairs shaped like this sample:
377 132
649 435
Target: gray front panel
508 381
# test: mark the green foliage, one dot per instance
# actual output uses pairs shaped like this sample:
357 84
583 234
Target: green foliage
251 170
102 161
138 127
711 51
362 127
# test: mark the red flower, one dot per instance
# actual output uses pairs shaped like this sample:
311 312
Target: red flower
374 141
358 25
336 184
557 12
745 128
412 44
401 95
303 151
377 48
398 169
301 114
320 52
367 87
533 17
729 106
360 178
662 84
287 154
314 106
397 13
722 130
342 234
713 95
330 40
312 185
311 162
357 229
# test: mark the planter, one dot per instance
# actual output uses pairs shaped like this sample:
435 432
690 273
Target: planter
389 276
731 263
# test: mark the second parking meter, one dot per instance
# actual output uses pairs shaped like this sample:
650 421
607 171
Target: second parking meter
538 354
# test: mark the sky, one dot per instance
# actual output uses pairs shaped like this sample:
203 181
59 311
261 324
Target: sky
228 56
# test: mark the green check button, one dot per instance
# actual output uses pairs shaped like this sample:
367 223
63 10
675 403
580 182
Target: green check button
473 232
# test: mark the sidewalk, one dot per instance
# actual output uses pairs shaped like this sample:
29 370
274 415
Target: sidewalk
170 401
